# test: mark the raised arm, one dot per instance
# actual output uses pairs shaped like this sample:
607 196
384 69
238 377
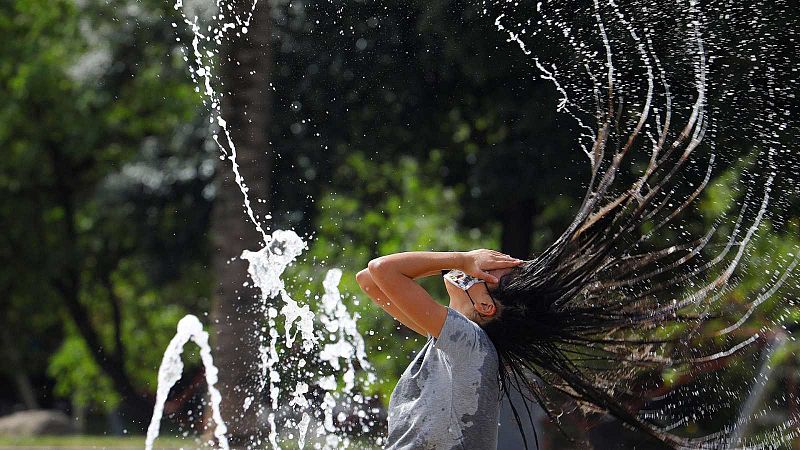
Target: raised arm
369 287
401 296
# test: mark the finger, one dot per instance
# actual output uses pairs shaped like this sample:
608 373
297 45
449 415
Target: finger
501 264
488 277
509 257
507 260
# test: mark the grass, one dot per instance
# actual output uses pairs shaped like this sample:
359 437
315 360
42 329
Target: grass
94 442
86 442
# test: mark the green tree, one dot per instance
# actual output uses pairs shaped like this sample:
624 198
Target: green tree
95 236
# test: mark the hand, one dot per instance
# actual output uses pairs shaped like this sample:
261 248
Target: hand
477 262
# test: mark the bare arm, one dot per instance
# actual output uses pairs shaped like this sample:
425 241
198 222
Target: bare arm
420 264
369 287
394 275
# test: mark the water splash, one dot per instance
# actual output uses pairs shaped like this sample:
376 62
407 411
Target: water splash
699 90
189 328
205 48
341 344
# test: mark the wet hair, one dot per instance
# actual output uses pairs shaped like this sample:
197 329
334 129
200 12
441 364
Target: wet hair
580 321
559 330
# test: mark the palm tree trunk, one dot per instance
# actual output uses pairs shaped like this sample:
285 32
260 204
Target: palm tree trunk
245 65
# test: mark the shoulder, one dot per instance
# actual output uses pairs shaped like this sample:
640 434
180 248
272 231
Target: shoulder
463 338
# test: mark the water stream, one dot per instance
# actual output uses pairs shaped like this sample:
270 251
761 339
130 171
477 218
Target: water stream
171 370
342 352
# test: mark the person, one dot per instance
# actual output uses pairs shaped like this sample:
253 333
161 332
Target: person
627 314
449 396
590 324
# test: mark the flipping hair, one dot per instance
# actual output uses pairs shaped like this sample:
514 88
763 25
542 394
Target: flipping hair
580 320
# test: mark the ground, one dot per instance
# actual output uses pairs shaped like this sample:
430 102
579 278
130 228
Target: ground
92 442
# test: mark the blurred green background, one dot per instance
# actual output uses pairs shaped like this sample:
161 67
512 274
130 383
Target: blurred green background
413 128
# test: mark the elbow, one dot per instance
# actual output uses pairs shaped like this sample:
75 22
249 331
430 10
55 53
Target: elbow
367 284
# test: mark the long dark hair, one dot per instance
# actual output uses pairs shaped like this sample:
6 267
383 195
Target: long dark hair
580 320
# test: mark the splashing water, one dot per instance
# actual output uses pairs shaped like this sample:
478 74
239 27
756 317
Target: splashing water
265 268
342 347
189 328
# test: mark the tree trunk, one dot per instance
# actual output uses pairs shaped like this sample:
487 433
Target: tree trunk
135 406
26 391
245 65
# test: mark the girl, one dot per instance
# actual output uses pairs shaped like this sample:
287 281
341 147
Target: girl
628 313
449 396
596 320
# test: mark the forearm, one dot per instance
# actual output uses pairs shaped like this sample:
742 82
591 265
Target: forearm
394 275
429 274
417 264
372 290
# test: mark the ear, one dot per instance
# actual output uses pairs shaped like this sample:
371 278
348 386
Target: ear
486 308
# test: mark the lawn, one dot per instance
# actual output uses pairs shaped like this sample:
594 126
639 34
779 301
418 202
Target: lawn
120 442
94 442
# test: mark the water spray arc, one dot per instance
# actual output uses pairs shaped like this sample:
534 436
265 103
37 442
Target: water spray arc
189 329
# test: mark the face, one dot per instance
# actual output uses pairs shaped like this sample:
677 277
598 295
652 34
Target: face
482 307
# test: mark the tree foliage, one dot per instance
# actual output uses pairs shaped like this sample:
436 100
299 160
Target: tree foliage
103 176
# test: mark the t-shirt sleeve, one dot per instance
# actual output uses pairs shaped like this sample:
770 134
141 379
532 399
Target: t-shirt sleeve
460 337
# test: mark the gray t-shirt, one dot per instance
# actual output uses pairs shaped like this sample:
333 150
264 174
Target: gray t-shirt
449 396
